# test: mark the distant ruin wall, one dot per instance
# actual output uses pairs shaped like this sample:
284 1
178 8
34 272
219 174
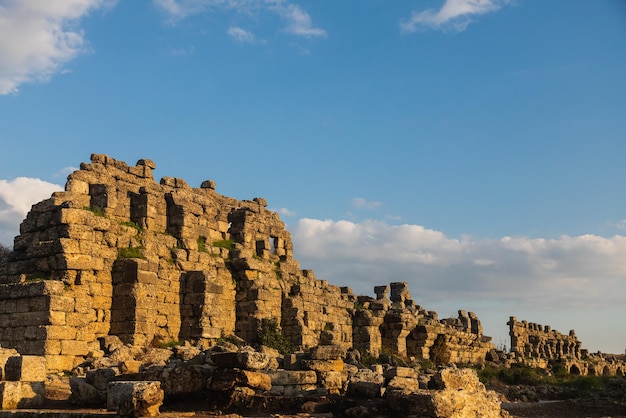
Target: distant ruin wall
541 346
535 340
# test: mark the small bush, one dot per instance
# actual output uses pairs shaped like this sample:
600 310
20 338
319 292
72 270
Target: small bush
170 344
202 244
96 210
224 243
131 224
270 336
233 339
131 252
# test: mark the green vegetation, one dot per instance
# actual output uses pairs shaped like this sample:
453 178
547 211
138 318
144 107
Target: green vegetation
170 344
233 339
36 277
202 244
277 270
131 252
224 243
358 306
270 336
521 374
96 210
131 224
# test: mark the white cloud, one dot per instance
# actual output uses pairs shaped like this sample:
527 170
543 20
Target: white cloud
242 35
568 282
64 172
37 38
16 198
578 271
286 212
454 15
179 9
298 21
362 203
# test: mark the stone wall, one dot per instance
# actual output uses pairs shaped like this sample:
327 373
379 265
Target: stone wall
117 253
538 341
396 325
543 347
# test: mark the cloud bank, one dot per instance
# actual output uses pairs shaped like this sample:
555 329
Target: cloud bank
37 38
454 15
584 271
16 198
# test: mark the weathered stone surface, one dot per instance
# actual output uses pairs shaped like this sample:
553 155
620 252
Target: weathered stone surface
323 365
400 372
100 378
327 352
452 379
405 384
14 395
85 394
227 379
365 384
186 379
249 360
293 377
25 369
460 395
135 399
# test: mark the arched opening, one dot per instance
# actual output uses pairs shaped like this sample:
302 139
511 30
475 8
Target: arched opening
606 371
574 370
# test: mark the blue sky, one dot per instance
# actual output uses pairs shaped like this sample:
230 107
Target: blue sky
473 148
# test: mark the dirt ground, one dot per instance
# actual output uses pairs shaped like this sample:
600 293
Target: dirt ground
571 408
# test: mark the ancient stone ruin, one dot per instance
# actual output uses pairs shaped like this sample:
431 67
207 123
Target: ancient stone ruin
541 346
117 253
150 292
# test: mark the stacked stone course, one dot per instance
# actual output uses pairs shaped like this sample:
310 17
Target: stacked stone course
541 346
397 325
117 253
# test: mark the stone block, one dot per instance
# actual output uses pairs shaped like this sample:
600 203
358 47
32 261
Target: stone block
249 360
25 369
74 348
324 365
328 352
400 372
293 377
227 379
15 395
333 381
135 399
405 384
58 332
450 378
60 363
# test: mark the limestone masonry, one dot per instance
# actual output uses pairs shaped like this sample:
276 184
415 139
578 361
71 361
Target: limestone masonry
118 254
